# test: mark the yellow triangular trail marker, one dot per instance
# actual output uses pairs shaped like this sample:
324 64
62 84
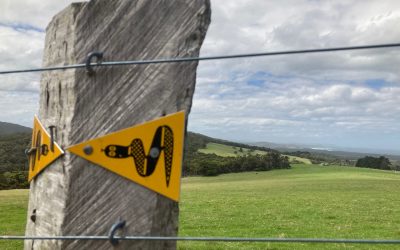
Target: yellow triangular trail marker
149 154
42 152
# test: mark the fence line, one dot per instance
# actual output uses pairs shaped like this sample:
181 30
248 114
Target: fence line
221 239
190 59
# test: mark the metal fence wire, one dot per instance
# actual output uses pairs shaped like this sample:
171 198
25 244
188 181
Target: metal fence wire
220 239
99 55
114 239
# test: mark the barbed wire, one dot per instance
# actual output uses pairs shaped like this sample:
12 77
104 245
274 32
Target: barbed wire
190 59
221 239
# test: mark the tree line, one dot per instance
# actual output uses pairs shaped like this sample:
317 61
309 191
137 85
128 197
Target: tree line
212 164
13 161
377 163
196 163
319 157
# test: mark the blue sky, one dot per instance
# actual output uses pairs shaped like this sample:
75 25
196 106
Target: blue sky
344 99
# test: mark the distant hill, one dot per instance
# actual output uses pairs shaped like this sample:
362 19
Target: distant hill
229 151
12 152
210 156
325 153
196 141
13 161
14 139
10 128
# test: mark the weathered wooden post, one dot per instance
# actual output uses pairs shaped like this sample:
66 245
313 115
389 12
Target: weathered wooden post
73 196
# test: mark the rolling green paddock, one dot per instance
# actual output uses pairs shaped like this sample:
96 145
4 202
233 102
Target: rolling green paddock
306 201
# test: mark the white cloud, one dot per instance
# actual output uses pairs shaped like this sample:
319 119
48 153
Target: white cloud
22 25
35 13
337 96
333 98
20 49
18 107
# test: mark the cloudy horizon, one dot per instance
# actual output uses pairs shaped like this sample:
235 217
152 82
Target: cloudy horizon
342 99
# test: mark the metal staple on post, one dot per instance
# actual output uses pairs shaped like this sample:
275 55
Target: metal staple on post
88 64
118 225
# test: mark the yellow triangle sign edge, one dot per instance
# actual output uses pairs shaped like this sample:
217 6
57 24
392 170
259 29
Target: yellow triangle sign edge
31 175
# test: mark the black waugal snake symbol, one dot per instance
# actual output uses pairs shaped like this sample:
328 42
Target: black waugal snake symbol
163 140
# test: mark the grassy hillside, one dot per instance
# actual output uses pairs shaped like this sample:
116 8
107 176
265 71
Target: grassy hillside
305 201
197 141
209 156
226 150
10 128
297 159
232 151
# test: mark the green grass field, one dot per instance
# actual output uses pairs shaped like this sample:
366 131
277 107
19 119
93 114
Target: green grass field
306 201
13 207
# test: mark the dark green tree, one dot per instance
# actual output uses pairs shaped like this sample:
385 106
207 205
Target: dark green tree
374 162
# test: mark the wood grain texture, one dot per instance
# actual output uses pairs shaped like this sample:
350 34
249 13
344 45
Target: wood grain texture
73 196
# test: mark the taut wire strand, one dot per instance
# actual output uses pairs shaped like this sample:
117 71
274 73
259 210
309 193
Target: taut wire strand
190 59
221 239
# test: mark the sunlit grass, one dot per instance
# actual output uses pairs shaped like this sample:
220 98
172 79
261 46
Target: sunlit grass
306 201
13 207
298 159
